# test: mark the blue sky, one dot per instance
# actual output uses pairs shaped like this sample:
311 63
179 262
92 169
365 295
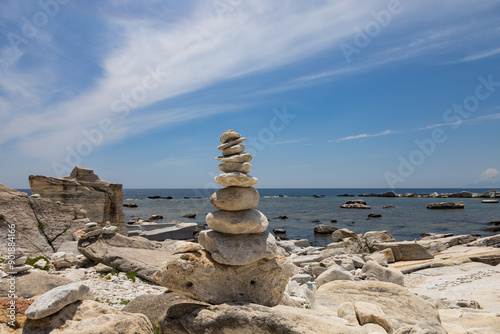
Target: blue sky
389 94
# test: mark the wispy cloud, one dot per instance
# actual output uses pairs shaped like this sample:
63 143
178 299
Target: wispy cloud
364 135
477 56
459 122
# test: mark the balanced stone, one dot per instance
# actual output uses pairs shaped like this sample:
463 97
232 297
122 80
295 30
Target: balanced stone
242 167
234 150
237 222
198 276
231 143
236 179
229 135
240 157
235 198
239 249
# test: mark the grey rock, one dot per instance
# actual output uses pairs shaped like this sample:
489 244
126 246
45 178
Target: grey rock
237 222
384 274
102 268
236 179
34 283
240 157
240 167
198 276
54 300
324 229
237 250
235 198
371 313
333 273
372 237
234 150
405 250
446 205
102 200
229 135
231 143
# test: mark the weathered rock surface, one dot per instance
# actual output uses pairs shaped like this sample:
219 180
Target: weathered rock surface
258 319
236 179
333 273
90 317
128 253
235 198
54 300
234 150
231 143
401 307
446 205
372 237
34 283
324 229
102 200
405 250
492 241
239 157
238 249
229 167
229 135
237 222
198 276
355 204
384 274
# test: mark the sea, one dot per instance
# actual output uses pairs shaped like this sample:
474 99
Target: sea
406 220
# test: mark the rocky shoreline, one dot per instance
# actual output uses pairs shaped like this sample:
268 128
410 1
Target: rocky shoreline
462 194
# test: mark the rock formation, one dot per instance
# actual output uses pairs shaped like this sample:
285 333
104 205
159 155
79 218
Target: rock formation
102 200
239 263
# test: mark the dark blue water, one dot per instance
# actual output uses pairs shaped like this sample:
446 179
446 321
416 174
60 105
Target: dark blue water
406 221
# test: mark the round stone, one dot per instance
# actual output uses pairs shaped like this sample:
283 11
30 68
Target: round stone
234 150
235 198
241 167
238 250
229 135
236 179
231 143
237 222
240 157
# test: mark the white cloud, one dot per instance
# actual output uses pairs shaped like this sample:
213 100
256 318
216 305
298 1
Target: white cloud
477 56
364 135
491 174
476 119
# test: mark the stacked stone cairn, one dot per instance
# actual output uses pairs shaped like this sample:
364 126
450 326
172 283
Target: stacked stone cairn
17 265
238 234
238 262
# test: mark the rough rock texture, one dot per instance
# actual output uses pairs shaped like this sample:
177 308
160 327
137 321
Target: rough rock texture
239 157
34 283
384 274
324 229
333 274
157 307
401 307
228 167
257 319
128 254
236 179
446 205
237 222
378 236
235 198
238 249
405 250
198 276
90 317
102 200
234 150
56 299
367 313
229 135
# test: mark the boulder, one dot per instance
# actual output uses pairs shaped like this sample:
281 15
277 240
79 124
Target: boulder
405 250
493 241
237 222
103 201
198 276
258 319
128 253
446 205
54 300
157 307
343 233
324 229
235 198
368 313
238 249
333 273
16 208
372 237
89 317
34 283
384 274
400 307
